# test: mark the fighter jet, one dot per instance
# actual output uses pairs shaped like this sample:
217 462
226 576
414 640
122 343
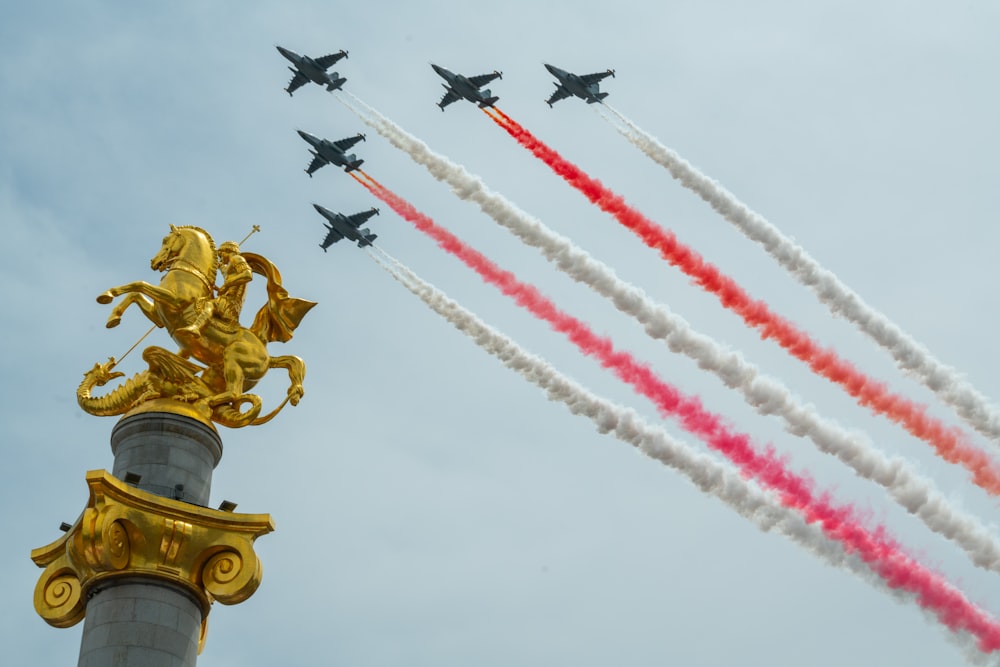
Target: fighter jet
584 87
342 226
306 69
459 87
332 152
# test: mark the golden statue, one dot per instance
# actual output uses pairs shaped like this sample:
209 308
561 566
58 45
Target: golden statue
204 322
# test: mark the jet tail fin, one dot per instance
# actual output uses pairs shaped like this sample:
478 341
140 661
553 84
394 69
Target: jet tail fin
488 102
596 98
351 166
366 238
336 84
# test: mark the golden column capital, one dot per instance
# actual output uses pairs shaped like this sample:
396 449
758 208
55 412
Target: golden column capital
125 532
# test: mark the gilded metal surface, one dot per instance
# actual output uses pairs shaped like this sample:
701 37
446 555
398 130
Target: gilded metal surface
127 532
218 360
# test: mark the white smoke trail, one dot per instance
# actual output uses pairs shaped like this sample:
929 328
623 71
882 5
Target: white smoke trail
709 475
911 356
918 495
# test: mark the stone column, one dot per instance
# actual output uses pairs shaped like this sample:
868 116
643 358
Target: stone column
147 558
173 455
150 621
141 622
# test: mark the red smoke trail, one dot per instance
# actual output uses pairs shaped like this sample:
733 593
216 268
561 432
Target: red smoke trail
370 179
879 551
949 442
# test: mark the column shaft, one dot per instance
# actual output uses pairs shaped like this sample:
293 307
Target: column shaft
142 622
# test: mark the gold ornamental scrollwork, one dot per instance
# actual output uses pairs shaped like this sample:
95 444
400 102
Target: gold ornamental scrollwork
118 546
127 532
228 573
59 598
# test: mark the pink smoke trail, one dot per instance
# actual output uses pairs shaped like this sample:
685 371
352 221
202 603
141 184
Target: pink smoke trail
875 548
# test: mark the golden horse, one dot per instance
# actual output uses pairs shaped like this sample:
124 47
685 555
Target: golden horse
235 357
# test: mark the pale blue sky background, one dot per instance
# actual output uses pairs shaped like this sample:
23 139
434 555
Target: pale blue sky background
432 508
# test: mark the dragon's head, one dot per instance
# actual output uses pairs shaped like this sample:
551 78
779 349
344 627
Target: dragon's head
101 374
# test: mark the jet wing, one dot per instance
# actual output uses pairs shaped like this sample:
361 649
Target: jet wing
359 219
326 61
344 144
595 77
315 164
297 82
332 237
448 98
483 79
560 94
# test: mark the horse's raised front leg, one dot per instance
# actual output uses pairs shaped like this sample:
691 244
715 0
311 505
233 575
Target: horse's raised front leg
154 292
142 293
147 307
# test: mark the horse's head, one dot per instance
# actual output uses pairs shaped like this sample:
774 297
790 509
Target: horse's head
189 243
169 250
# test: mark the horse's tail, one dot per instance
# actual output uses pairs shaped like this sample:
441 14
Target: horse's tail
296 374
231 416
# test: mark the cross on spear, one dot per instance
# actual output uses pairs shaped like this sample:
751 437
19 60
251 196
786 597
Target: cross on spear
254 230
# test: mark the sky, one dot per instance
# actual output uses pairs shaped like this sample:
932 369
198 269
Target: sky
432 507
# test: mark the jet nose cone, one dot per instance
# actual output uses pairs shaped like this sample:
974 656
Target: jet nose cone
438 69
550 68
285 52
308 137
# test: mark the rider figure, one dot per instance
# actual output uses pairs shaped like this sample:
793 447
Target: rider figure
228 304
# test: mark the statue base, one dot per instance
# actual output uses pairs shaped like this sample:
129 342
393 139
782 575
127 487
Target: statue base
200 412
